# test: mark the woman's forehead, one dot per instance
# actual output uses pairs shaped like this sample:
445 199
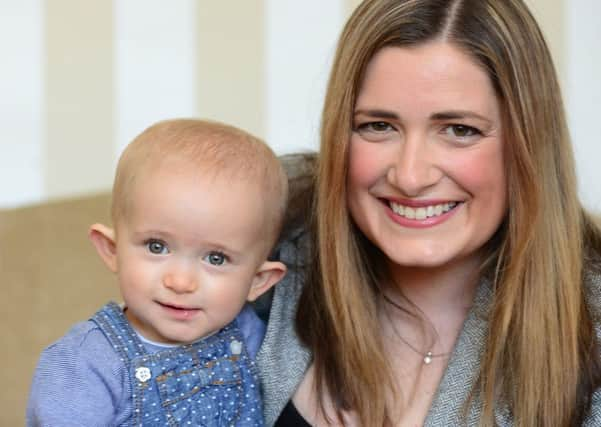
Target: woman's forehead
434 76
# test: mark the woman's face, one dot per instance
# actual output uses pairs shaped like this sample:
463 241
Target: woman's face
426 181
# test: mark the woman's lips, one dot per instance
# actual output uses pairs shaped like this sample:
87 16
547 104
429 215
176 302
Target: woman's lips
421 215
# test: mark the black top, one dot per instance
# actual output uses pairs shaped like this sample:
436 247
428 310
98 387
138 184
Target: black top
290 417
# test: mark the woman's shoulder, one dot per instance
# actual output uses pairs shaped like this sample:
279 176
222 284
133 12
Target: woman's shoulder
293 250
282 358
592 281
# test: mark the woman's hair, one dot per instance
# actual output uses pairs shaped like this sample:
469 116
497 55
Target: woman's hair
541 356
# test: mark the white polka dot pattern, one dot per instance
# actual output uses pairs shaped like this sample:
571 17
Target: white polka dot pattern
211 383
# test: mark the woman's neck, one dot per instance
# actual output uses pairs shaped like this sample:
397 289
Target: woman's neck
436 291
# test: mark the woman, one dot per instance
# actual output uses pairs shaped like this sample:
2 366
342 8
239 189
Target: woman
453 275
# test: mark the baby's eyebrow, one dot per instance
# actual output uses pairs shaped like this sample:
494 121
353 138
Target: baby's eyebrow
151 233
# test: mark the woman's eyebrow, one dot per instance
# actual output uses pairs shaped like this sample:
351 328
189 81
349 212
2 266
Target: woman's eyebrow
458 114
384 114
444 115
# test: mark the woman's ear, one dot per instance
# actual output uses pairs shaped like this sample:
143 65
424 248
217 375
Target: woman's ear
267 275
103 239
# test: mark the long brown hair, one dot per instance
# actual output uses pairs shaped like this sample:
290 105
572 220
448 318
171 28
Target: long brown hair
541 353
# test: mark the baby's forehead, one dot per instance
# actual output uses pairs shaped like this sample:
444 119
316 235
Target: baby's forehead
233 158
180 174
202 170
189 198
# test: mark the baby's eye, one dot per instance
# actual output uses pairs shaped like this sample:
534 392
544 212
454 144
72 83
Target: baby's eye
216 258
157 247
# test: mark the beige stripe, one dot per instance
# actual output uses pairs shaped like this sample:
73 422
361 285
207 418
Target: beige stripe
79 96
231 81
351 5
550 15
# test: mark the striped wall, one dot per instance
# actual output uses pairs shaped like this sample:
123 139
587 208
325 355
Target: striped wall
583 93
80 79
22 133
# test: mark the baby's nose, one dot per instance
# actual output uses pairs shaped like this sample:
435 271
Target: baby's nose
180 281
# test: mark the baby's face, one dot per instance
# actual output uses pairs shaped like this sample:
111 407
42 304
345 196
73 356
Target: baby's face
188 251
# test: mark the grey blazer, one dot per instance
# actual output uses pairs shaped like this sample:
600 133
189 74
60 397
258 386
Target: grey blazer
283 360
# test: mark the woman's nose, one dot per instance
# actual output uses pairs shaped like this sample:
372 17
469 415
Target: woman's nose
415 167
180 280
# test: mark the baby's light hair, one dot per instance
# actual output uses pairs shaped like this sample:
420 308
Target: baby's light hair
210 148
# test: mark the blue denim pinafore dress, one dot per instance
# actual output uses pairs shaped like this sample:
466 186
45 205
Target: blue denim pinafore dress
212 382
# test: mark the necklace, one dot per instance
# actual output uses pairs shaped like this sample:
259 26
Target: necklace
428 356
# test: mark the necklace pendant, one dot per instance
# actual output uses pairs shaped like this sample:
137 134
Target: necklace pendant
428 358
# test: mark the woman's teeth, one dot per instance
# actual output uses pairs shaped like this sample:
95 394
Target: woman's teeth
421 212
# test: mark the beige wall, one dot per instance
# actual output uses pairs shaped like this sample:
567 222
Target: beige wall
231 66
232 80
78 96
550 15
352 4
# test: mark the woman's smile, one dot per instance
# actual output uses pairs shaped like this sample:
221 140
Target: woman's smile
421 214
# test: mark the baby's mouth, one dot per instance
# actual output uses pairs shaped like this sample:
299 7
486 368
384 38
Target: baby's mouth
177 307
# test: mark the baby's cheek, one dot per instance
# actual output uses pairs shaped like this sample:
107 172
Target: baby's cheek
135 275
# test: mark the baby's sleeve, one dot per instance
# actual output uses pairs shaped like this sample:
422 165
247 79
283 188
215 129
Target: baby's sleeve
79 381
252 328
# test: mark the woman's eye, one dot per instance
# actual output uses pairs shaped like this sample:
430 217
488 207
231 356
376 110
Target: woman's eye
375 131
377 127
216 258
461 131
156 247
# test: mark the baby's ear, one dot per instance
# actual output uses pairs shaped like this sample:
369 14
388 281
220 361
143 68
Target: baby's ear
103 239
267 275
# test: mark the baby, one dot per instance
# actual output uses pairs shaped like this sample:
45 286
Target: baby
197 207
